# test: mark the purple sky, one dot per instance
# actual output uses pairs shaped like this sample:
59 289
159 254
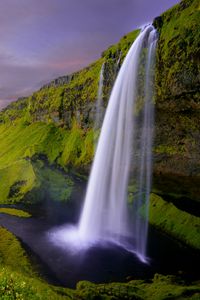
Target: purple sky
43 39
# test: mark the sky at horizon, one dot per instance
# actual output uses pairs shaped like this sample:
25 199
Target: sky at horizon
44 39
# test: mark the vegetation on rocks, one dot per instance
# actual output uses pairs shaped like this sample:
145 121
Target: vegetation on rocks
49 133
70 98
177 90
175 222
53 128
17 179
14 212
159 288
56 122
21 281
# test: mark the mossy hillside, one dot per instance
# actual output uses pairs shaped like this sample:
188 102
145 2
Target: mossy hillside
53 184
71 97
20 280
73 146
176 149
75 99
43 126
159 288
175 222
62 104
54 124
21 146
11 253
16 180
78 147
31 182
19 177
178 52
14 212
15 110
14 285
177 132
113 59
120 50
21 141
58 103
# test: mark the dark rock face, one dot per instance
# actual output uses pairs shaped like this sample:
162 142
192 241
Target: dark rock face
177 91
70 100
158 22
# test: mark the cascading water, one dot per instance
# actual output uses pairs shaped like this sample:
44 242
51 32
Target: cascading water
123 156
142 148
105 212
99 109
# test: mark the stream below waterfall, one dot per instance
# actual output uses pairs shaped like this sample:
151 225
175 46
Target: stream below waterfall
102 262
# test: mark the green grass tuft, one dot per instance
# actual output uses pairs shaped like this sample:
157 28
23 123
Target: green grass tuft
15 212
16 180
175 222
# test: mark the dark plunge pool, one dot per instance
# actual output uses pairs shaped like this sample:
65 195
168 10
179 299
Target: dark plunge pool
101 262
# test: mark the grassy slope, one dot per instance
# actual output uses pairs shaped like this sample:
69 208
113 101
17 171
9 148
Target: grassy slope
14 212
160 288
16 180
54 124
20 281
181 225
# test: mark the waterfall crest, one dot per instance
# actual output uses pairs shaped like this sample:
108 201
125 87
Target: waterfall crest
125 140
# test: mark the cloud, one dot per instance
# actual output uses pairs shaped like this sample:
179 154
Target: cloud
44 39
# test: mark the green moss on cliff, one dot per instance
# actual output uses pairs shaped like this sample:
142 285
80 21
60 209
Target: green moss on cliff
11 254
177 133
21 147
70 97
16 181
160 288
175 222
179 50
53 184
73 146
14 212
62 103
78 147
20 141
54 125
120 50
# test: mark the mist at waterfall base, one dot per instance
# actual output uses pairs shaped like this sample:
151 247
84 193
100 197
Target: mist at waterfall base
123 157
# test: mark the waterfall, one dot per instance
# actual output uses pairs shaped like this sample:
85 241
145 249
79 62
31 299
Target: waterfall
123 157
142 151
99 108
105 212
